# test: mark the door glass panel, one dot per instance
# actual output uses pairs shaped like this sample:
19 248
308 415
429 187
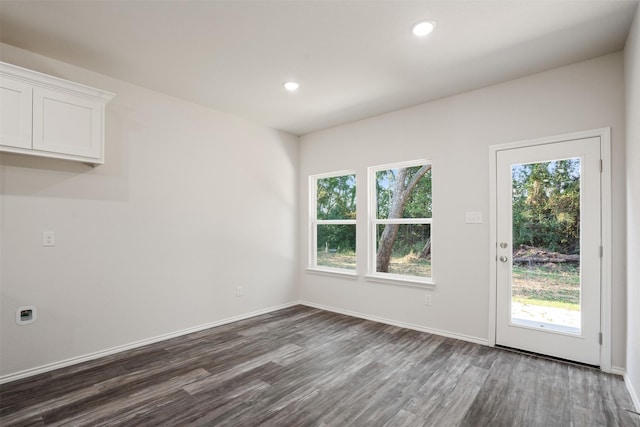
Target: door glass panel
545 280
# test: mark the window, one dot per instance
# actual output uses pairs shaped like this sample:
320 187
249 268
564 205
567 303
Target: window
400 221
333 222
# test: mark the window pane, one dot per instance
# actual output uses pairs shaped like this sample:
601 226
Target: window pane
404 249
336 246
336 197
546 284
391 184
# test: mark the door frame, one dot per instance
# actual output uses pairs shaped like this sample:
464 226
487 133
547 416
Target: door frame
605 203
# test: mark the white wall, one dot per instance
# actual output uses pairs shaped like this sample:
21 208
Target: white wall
456 132
190 204
632 74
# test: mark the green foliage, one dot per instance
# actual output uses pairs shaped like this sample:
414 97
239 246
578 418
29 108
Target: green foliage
411 238
419 203
546 205
337 237
336 199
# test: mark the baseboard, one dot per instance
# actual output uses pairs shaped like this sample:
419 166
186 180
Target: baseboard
92 356
616 370
632 392
397 323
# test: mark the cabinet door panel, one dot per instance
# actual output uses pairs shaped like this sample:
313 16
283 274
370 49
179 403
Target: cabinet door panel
63 123
15 113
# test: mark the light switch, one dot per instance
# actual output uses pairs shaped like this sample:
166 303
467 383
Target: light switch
48 238
473 218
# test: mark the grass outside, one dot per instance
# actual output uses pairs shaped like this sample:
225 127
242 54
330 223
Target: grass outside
547 285
410 264
345 260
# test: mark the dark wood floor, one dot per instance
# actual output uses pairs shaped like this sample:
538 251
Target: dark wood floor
306 367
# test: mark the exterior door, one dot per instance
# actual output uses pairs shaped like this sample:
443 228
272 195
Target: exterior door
548 268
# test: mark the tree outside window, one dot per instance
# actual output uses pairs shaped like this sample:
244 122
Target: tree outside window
401 220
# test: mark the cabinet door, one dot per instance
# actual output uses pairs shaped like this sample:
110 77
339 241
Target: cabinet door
15 113
67 124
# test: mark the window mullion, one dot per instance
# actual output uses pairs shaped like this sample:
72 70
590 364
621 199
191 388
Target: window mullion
403 221
403 265
335 221
337 235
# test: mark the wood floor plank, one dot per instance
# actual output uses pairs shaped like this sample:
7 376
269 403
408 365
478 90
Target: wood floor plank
120 407
238 369
303 366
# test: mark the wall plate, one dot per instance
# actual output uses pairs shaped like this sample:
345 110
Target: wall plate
26 315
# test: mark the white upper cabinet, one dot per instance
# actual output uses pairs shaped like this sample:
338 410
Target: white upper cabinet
15 113
46 116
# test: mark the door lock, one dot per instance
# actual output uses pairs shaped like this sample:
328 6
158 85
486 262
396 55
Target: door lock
503 245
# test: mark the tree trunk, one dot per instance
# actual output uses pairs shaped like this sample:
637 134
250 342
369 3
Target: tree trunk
426 250
401 192
385 247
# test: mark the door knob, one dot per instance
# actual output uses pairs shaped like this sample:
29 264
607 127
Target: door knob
503 258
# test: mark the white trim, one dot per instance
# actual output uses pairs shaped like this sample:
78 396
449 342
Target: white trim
400 165
312 215
312 259
616 370
56 83
605 241
328 271
335 222
600 132
404 221
605 181
399 279
493 244
107 352
632 392
333 174
373 221
385 321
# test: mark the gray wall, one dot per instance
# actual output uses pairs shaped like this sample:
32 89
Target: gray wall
190 204
632 74
456 133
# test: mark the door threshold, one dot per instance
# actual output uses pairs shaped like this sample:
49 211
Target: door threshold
547 357
547 326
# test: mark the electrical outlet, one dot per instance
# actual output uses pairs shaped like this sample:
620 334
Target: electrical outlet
473 217
48 238
427 300
239 291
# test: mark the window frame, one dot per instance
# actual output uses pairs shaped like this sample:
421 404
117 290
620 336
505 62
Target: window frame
314 222
374 221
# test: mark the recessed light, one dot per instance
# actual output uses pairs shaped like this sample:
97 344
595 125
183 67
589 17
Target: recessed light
421 29
291 86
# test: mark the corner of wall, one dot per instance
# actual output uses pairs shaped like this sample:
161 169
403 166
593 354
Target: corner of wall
632 104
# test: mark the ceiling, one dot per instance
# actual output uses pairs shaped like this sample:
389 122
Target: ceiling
353 59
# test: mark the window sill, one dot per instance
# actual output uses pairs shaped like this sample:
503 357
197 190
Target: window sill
428 284
349 274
